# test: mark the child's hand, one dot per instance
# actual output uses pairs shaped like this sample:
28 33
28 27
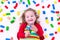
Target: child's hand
34 28
27 33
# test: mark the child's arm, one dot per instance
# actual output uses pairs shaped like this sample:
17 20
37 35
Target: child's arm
40 31
21 34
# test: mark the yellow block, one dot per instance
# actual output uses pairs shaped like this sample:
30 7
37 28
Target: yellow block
58 29
4 0
18 13
38 11
4 14
1 19
1 9
46 36
47 21
55 2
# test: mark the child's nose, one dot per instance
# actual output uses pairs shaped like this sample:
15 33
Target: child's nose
30 17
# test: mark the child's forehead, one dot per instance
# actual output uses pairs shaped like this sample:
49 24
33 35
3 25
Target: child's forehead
29 13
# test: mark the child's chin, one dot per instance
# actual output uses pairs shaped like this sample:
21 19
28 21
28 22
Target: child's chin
31 23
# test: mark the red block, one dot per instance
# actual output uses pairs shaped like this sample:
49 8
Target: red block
1 30
53 38
58 23
55 32
37 5
48 6
43 6
6 7
57 12
58 0
15 5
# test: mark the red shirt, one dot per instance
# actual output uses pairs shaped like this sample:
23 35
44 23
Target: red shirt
21 34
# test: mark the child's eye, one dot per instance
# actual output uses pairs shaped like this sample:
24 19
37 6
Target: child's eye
32 16
27 16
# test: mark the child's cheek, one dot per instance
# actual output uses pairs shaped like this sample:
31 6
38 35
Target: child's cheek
26 19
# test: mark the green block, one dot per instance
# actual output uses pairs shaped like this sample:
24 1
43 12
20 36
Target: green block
57 19
28 2
20 0
12 21
34 34
58 14
2 2
7 28
14 18
7 13
52 25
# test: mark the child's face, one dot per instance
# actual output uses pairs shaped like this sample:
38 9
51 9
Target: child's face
30 17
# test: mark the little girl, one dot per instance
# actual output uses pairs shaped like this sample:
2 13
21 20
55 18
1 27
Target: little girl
30 28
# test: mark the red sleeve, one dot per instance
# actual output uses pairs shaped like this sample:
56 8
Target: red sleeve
40 31
20 33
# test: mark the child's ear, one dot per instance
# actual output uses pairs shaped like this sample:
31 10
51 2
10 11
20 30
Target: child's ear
37 16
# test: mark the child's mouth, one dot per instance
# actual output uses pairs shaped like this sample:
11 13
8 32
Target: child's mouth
31 20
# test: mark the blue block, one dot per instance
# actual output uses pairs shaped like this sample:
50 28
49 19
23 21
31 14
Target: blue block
8 2
23 2
7 38
45 29
34 2
2 26
46 17
52 11
51 18
44 12
11 10
26 5
13 1
53 6
51 34
42 0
